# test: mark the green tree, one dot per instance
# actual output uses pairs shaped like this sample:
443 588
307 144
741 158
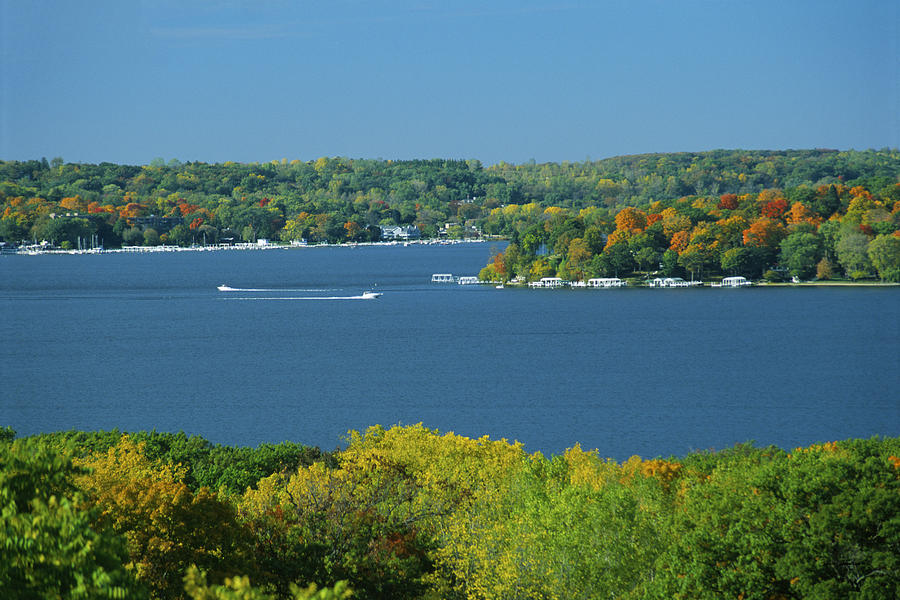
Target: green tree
151 237
63 229
800 252
826 202
669 261
884 252
698 257
616 259
239 588
852 251
179 235
132 237
50 545
738 261
647 258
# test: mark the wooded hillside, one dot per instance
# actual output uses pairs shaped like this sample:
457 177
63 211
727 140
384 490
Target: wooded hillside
342 199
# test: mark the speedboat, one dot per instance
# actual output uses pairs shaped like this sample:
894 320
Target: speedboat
225 288
371 295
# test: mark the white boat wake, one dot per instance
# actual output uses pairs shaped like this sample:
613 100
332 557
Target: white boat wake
225 288
365 296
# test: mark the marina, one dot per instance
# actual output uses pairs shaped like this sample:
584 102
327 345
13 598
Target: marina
45 247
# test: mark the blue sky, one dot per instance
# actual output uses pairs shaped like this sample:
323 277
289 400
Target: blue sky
206 80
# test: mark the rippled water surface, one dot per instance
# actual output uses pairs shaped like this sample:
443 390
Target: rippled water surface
149 342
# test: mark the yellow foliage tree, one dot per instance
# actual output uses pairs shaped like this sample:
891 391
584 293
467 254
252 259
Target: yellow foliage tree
167 527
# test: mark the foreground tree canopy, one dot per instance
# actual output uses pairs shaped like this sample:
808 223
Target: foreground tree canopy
410 512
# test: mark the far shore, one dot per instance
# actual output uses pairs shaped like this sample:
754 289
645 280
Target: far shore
834 283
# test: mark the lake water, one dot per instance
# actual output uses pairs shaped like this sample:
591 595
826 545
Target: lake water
148 342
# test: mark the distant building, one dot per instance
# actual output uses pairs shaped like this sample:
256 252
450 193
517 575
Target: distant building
468 230
400 232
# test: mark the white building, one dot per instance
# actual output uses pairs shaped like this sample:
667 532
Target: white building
400 232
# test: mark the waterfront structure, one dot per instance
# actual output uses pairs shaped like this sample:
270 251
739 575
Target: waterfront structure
735 282
605 282
673 282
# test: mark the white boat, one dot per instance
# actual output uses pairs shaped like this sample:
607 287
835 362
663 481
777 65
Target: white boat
225 288
371 295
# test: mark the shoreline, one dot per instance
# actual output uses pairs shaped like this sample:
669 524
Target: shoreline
837 283
32 251
431 242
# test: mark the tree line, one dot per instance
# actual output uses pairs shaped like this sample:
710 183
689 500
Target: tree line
410 512
825 232
341 199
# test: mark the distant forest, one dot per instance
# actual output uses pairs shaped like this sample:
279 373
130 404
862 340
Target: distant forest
760 197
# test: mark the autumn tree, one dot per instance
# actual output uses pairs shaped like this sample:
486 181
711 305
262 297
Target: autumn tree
167 526
824 269
577 259
680 241
631 219
765 235
728 202
375 519
774 209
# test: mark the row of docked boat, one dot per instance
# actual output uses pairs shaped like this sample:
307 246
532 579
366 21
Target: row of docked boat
450 278
599 282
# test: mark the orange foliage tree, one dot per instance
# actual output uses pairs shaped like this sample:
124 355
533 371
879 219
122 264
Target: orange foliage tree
774 209
728 202
680 241
764 233
631 219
